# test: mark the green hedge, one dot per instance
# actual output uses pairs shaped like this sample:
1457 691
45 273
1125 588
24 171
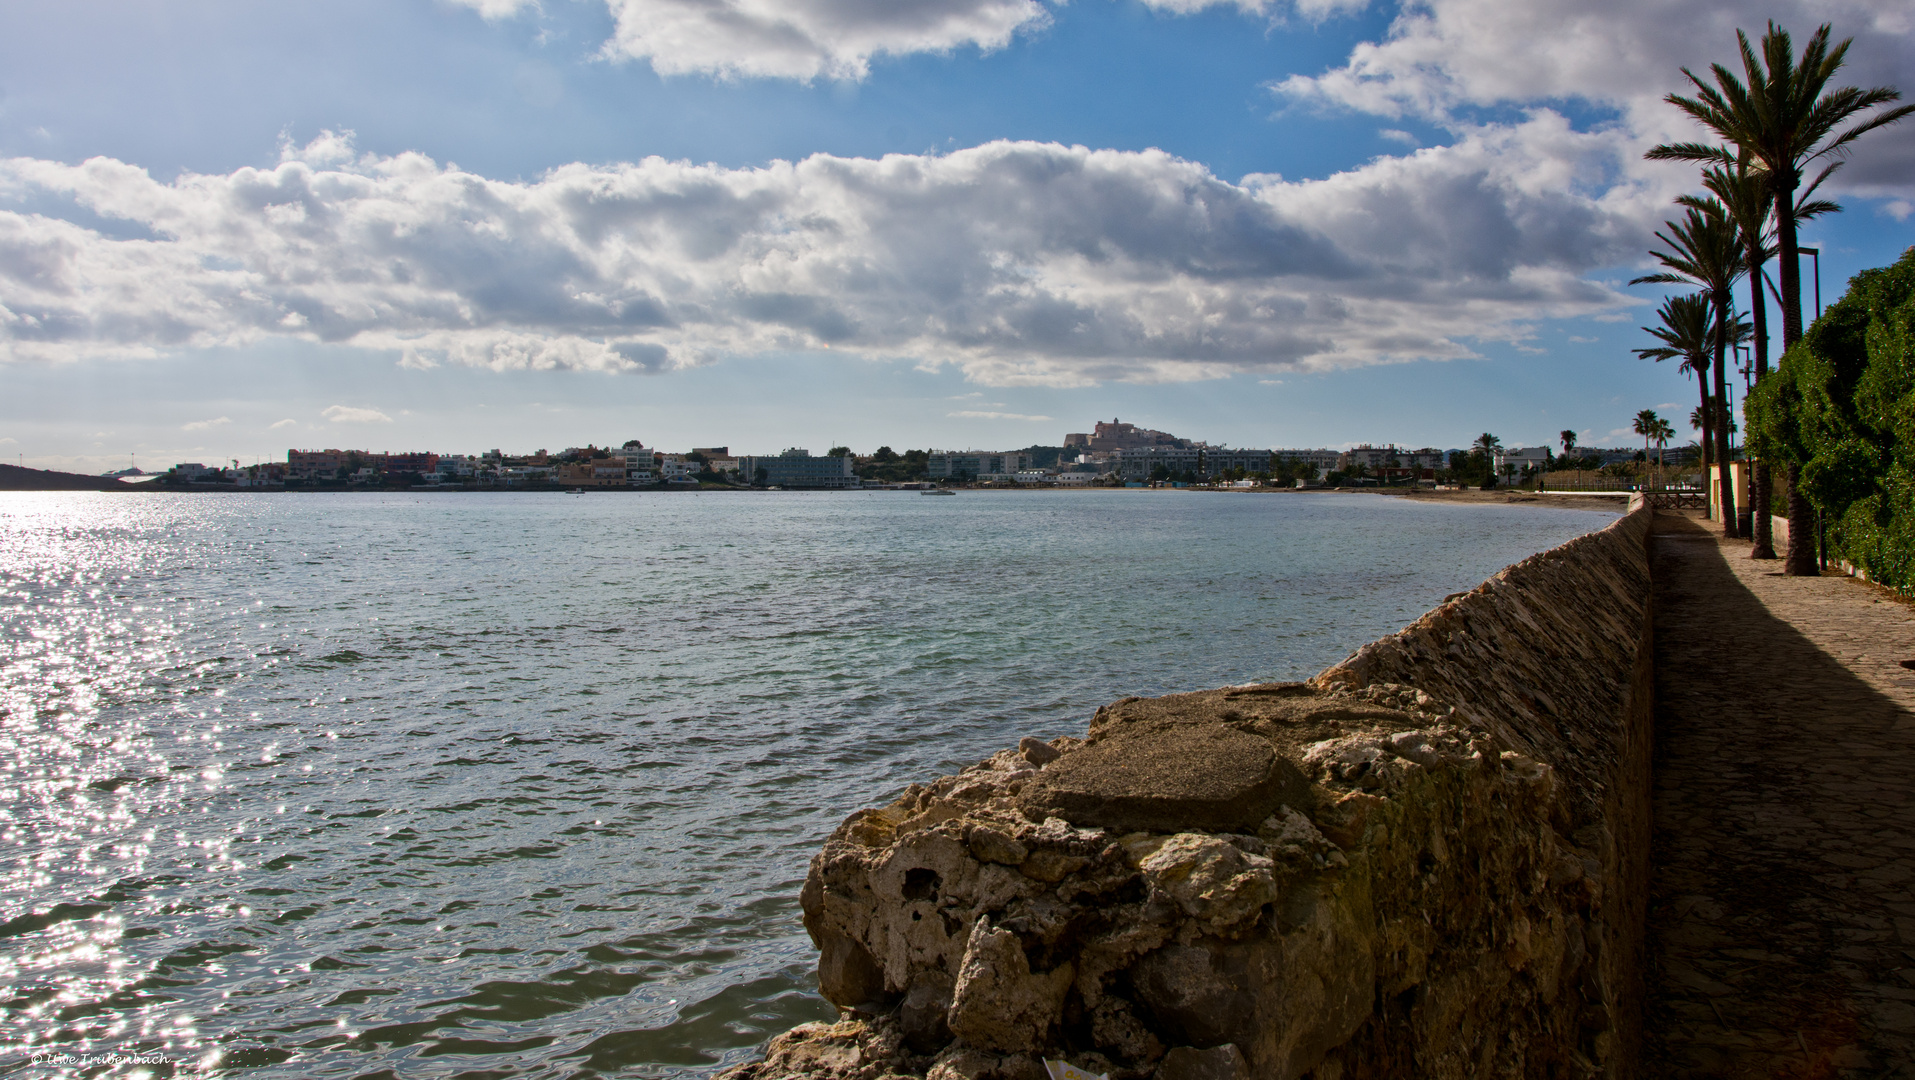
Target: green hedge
1842 406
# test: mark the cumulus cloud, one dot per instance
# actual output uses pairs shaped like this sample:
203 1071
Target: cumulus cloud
1020 263
286 423
804 39
1442 59
347 414
203 425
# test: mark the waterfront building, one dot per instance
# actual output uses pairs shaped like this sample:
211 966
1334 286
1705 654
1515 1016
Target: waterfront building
1512 463
1138 463
796 468
975 464
604 472
524 475
674 466
1322 460
309 465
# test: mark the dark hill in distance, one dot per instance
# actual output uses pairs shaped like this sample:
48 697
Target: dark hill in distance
15 478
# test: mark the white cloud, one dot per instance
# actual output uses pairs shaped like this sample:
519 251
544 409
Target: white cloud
1441 59
1020 263
498 9
804 39
970 414
1312 10
347 414
9 441
286 423
202 425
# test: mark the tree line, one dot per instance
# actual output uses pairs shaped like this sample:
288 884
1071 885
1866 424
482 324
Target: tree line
1780 131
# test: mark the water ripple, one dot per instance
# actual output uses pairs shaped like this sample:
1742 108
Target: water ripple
472 785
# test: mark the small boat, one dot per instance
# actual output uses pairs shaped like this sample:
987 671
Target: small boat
576 491
938 491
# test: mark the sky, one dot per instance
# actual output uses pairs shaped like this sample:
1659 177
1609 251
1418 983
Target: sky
228 228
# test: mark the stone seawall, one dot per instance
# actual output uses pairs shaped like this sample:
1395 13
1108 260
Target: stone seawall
1429 861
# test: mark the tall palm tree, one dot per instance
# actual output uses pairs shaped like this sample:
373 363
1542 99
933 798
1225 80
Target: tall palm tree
1568 439
1662 433
1645 426
1686 335
1488 445
1782 115
1707 252
1746 194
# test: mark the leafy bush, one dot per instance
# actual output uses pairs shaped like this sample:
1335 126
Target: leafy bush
1841 405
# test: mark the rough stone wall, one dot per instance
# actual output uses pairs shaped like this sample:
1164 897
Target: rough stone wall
1427 861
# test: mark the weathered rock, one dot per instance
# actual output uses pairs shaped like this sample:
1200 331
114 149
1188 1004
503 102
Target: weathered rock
996 846
848 974
999 1003
1205 776
1424 862
1038 752
1224 1062
1202 995
923 1015
1207 878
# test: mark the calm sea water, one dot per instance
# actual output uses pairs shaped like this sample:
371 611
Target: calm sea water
525 785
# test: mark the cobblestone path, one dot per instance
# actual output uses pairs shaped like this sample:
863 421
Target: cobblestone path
1782 909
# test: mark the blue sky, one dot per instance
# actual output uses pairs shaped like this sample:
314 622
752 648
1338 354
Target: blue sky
228 228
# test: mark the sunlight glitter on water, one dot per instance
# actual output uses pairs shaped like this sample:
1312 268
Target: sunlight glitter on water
383 785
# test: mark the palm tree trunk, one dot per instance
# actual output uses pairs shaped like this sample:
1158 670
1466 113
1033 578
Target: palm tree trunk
1758 315
1801 557
1801 560
1721 417
1708 430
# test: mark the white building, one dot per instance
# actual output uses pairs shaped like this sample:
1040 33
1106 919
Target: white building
1511 464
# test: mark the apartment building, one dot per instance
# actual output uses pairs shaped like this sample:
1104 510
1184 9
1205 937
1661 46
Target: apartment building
975 464
796 468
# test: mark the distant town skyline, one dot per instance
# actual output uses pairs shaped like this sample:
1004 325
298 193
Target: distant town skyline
227 229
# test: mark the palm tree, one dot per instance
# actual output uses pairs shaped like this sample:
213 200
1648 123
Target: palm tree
1782 116
1646 426
1708 252
1487 445
1685 335
1568 439
1663 432
1748 197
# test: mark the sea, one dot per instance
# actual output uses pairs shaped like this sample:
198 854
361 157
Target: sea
485 785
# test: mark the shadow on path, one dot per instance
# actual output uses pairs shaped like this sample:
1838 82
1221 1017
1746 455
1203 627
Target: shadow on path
1782 904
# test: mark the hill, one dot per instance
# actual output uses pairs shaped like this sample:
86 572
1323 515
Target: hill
15 478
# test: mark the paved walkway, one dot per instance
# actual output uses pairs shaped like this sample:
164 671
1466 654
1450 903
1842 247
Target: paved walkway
1782 911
